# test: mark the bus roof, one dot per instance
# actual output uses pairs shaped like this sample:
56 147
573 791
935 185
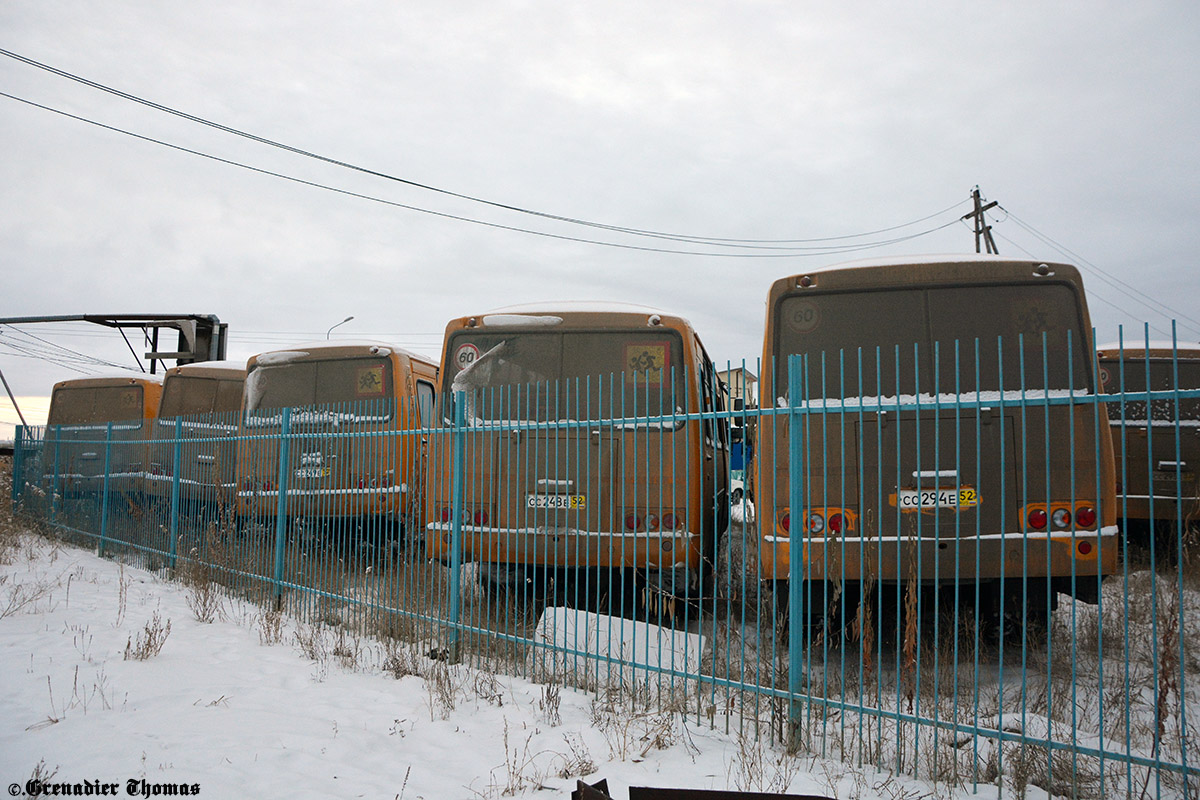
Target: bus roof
1151 349
111 378
210 369
342 348
886 272
569 314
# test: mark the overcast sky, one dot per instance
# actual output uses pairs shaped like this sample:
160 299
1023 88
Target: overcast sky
737 120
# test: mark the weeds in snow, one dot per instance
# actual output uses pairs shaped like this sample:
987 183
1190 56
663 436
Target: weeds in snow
150 640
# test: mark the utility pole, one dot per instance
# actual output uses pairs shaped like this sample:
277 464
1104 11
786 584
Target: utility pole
13 399
983 231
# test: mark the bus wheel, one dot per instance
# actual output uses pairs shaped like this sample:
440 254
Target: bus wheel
1022 608
826 608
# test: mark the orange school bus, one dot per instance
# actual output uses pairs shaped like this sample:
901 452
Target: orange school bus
354 468
592 443
202 402
1156 475
81 410
952 433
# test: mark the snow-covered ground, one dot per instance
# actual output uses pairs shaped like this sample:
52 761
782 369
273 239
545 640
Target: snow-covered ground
252 705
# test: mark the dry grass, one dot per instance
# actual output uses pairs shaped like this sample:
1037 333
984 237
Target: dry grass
1119 671
149 640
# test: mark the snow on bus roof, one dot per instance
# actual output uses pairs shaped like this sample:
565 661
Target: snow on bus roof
944 258
119 374
306 348
547 313
577 306
227 364
1138 345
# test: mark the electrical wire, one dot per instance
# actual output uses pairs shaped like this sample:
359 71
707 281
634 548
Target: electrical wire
1092 294
811 251
50 351
1127 289
713 241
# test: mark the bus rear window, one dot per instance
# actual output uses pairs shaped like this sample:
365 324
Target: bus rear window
300 384
1028 337
85 406
184 395
572 375
1161 379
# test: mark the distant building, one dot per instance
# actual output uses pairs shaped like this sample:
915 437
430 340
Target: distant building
741 384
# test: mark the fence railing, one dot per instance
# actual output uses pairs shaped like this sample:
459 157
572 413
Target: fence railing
990 584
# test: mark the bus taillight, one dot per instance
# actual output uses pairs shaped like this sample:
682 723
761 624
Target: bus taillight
1037 519
1085 517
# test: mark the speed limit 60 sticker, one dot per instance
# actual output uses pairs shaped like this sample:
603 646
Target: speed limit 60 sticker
465 355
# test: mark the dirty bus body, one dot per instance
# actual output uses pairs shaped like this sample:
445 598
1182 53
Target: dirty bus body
354 462
81 411
1156 477
581 467
922 466
198 415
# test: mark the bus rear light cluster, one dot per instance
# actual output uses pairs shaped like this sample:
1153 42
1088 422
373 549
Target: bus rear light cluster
479 517
1060 517
652 522
249 485
834 520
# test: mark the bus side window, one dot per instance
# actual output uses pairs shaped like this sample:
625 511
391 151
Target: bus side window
710 394
425 402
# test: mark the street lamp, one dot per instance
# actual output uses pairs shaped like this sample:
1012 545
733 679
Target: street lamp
343 322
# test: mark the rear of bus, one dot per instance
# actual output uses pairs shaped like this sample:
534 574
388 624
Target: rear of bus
77 435
198 417
949 429
344 418
1156 468
579 457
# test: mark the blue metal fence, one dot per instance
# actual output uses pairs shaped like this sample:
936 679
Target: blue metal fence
944 574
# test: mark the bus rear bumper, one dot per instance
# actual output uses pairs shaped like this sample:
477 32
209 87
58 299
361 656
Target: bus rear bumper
930 560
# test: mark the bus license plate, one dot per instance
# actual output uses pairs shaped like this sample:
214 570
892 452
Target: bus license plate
555 501
312 472
914 499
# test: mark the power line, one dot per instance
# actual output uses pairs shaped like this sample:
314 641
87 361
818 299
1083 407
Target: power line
1092 293
812 251
46 350
1146 301
709 240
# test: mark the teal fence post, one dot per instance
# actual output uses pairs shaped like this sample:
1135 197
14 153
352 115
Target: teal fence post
54 482
456 512
104 491
176 463
796 610
281 503
18 457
